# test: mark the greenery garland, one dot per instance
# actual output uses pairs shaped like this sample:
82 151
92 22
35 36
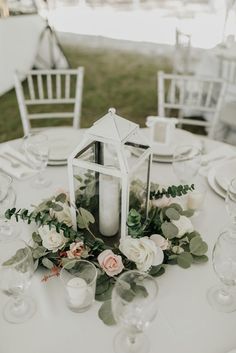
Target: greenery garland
182 246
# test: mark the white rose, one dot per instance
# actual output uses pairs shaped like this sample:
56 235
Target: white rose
163 202
143 252
184 226
51 239
160 241
64 215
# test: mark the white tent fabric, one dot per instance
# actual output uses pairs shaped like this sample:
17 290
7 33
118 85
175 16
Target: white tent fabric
21 48
19 37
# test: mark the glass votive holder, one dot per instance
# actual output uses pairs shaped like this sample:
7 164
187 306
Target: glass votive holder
196 198
79 281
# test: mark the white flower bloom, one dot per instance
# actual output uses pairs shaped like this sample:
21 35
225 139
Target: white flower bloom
160 241
184 226
142 251
64 215
51 240
163 202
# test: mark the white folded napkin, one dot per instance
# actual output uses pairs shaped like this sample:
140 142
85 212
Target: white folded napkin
23 171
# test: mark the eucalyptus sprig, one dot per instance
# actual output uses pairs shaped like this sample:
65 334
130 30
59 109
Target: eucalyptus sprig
171 191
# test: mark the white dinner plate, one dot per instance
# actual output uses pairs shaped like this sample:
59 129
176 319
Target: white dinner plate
62 142
179 137
213 183
225 173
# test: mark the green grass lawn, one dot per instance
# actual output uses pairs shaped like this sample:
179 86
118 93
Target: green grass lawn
126 81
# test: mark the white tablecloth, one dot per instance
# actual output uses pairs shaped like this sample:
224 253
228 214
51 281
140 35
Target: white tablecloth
185 324
19 36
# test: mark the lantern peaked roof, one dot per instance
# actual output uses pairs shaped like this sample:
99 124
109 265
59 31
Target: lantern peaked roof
112 127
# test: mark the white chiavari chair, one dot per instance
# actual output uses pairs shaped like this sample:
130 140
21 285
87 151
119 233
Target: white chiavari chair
191 96
50 87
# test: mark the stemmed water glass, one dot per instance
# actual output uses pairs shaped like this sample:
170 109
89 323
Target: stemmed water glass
186 162
230 201
221 297
16 270
134 306
36 147
8 230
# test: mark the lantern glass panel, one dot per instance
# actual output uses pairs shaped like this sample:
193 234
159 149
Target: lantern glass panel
100 194
139 186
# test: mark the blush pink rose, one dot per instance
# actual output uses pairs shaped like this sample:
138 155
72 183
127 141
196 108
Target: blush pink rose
76 250
110 263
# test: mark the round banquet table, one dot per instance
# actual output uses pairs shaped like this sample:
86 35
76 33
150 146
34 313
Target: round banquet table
185 323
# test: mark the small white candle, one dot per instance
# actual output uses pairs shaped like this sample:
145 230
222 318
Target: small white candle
77 291
195 200
109 208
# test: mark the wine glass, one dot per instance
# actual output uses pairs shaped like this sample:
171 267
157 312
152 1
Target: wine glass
186 162
221 297
230 200
134 306
16 270
36 147
8 230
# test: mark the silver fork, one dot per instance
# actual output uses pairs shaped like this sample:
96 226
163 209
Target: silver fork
13 164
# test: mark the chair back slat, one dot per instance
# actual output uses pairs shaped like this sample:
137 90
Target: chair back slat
46 87
209 95
227 69
58 86
40 87
49 86
31 87
193 95
67 86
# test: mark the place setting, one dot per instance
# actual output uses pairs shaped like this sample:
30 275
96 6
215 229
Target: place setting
222 170
165 137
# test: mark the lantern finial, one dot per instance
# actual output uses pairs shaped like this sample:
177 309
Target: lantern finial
112 110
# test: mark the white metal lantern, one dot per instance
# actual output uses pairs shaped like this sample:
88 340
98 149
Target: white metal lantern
112 154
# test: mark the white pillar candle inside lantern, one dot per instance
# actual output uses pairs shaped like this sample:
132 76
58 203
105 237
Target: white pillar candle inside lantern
109 205
77 291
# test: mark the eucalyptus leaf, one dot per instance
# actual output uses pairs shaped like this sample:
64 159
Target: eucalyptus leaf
188 213
84 218
157 271
105 313
47 263
61 198
105 295
171 213
36 238
200 259
39 252
19 256
102 287
56 207
169 230
184 260
197 246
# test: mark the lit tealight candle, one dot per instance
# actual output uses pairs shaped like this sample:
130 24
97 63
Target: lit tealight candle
195 200
77 290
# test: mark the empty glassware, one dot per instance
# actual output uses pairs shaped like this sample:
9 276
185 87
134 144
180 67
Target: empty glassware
36 147
221 297
134 306
16 270
8 230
